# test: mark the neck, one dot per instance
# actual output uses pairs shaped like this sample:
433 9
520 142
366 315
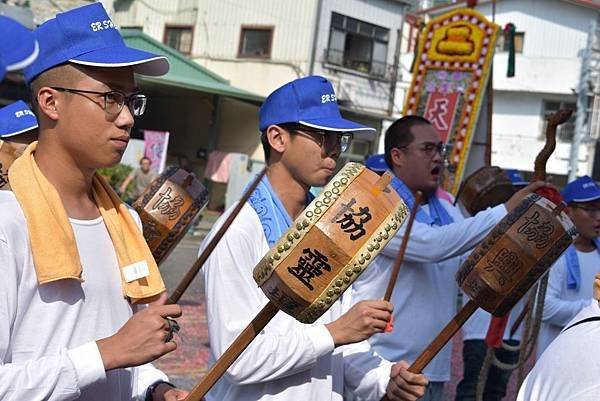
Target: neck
399 174
72 182
291 193
584 244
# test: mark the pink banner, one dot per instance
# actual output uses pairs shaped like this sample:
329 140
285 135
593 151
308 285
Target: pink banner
156 143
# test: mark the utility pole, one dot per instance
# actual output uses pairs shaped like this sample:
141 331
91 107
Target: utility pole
582 103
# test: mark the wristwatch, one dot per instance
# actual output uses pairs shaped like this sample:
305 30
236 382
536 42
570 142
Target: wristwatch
153 387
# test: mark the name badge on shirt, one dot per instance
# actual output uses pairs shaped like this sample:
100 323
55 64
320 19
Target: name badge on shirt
136 271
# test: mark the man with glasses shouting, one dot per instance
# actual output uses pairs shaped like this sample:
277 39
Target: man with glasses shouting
75 266
426 294
302 133
571 277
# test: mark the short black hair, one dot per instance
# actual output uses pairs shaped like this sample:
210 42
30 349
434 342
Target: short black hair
399 134
145 158
286 126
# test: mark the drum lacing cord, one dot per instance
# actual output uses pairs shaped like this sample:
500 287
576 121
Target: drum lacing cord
527 345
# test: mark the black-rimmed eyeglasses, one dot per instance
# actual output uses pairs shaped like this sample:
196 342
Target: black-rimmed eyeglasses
329 141
114 101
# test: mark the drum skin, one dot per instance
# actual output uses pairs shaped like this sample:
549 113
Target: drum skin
168 207
8 154
515 254
486 187
331 242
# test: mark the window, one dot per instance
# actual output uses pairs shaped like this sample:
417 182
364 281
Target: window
179 38
357 45
564 131
255 42
502 43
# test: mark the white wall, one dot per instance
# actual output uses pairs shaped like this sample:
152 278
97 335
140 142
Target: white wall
518 128
555 34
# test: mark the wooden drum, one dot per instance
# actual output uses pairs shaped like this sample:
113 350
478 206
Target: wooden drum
516 253
331 242
168 207
487 187
8 154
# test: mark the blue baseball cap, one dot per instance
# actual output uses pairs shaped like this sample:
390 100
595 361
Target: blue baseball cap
515 177
583 189
309 101
377 163
18 48
87 36
15 119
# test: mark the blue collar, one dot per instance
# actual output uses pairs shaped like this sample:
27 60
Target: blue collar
437 216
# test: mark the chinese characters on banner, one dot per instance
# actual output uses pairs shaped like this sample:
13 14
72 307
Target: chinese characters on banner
156 143
449 80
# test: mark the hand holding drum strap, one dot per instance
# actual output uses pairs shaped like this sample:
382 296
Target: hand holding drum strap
504 266
326 248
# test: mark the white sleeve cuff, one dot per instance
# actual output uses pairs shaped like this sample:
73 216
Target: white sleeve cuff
321 339
88 364
498 212
383 377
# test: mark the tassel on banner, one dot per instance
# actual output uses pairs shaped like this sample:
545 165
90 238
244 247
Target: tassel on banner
509 35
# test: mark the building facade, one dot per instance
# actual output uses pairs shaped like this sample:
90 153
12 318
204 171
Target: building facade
550 41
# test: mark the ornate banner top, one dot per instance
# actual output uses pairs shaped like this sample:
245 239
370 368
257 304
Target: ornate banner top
449 80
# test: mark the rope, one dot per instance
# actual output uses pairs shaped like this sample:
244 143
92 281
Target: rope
533 322
526 346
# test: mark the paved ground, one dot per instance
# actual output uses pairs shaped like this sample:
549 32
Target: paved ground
188 363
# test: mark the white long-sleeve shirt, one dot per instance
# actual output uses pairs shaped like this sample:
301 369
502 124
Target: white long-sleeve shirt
48 332
425 293
568 370
563 303
288 360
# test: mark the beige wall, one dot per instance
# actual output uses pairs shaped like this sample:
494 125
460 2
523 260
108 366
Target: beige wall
239 129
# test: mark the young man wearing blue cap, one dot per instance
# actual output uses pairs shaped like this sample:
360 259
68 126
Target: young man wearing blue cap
303 135
18 128
18 48
425 299
568 369
74 263
571 277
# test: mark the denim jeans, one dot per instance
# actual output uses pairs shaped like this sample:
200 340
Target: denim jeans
473 356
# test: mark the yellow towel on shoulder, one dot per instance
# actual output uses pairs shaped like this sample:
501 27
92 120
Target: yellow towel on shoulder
52 239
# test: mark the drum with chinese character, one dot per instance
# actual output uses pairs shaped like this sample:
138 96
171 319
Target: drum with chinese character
518 251
8 155
331 242
487 187
168 207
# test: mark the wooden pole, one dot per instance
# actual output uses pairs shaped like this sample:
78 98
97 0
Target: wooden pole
191 274
402 251
442 339
233 352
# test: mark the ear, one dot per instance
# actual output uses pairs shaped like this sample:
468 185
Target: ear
398 157
47 102
278 138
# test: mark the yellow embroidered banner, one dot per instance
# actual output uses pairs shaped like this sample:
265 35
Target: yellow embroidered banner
449 80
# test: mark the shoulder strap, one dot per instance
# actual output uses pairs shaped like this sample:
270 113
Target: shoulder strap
589 319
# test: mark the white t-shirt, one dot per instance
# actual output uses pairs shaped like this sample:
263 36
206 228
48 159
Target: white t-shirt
425 294
568 369
562 303
48 332
288 360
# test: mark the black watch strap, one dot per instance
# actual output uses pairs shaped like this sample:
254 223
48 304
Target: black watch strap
153 387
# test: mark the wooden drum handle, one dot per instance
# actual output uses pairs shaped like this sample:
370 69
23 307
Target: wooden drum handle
191 274
402 251
442 339
233 352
